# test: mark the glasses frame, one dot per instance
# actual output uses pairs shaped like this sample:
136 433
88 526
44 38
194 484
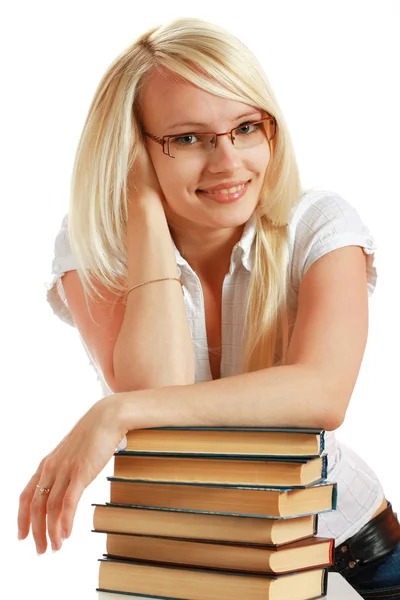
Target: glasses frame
164 141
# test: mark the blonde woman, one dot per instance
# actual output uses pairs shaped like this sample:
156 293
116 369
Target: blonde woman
191 255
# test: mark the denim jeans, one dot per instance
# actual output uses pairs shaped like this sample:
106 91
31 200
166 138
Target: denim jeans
380 581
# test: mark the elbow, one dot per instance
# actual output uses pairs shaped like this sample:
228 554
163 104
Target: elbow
334 412
333 421
330 405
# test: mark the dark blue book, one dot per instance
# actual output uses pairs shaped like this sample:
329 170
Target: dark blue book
222 469
169 582
261 502
217 441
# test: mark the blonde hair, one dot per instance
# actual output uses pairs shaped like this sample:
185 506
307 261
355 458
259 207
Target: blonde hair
217 62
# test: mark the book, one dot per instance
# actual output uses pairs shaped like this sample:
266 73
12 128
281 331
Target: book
219 499
286 472
246 441
246 530
298 556
172 582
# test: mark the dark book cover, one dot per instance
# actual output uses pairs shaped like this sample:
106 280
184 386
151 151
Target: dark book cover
311 430
233 457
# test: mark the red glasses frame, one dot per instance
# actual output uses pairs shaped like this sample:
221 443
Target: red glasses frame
164 141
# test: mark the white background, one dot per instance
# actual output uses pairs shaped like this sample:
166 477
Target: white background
334 70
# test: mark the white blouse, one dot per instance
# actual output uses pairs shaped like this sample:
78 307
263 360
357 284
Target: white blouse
321 222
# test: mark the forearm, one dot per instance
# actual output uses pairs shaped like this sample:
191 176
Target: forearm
154 346
284 396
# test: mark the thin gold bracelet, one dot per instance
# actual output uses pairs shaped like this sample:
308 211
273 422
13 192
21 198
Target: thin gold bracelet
155 281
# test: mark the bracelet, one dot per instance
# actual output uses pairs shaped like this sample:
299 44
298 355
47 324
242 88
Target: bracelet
154 281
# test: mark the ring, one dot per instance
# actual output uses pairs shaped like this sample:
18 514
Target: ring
43 490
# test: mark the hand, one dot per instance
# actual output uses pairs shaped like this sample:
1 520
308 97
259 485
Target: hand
143 184
67 471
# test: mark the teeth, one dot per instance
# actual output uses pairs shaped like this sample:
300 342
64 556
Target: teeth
238 188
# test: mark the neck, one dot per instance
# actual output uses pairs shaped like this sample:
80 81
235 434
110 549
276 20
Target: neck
208 251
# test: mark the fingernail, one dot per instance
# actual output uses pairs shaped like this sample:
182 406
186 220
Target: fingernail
38 553
63 534
19 535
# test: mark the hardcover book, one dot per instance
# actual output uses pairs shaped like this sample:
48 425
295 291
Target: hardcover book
246 530
171 582
220 499
250 471
306 554
250 441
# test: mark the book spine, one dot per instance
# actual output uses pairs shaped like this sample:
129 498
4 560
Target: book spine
322 442
315 524
334 496
324 472
136 595
232 457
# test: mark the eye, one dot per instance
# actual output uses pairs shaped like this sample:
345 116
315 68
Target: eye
184 140
247 128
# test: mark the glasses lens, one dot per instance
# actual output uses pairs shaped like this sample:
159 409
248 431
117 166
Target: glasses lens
192 144
253 134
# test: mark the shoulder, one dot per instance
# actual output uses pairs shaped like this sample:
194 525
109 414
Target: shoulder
316 208
322 221
62 262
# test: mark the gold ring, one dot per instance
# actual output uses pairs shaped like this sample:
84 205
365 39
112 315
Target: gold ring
43 490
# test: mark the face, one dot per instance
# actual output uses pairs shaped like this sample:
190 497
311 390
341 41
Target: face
172 108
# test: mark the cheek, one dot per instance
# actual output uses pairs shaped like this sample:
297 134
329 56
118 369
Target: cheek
178 179
261 159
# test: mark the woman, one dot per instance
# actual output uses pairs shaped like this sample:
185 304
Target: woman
185 180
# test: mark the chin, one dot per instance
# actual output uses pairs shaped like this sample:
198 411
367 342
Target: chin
229 218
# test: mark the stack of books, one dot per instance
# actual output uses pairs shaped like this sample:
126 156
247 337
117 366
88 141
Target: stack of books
217 513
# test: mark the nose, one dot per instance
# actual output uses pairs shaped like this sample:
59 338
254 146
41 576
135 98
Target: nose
225 157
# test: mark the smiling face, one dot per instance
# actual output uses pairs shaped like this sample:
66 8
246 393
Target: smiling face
171 108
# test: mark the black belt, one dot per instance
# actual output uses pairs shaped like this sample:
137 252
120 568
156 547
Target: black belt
370 545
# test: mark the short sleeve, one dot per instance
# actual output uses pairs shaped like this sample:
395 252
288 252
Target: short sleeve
63 261
322 222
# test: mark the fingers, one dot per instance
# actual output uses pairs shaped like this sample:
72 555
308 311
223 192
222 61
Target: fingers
38 521
70 503
54 508
24 509
54 512
38 508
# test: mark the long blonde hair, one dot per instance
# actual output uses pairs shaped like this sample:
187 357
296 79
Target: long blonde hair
219 63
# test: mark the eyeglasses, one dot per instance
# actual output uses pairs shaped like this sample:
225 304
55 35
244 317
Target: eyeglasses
247 135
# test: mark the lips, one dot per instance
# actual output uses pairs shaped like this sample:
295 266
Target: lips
227 186
226 195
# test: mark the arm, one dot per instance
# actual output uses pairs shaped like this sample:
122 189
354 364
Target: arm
154 347
142 340
313 390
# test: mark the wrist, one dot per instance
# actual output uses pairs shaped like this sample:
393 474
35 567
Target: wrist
135 410
114 411
148 206
125 411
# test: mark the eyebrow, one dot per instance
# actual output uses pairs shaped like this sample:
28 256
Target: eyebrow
196 124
